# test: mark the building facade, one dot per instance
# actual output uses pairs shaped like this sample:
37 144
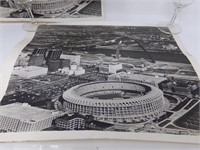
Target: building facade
18 117
64 63
53 54
110 68
36 60
74 122
53 65
72 57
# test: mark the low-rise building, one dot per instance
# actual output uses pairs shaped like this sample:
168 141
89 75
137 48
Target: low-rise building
110 68
21 117
23 59
73 122
125 77
114 67
29 71
79 71
74 58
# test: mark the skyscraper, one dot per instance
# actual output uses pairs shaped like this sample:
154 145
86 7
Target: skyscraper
37 57
54 54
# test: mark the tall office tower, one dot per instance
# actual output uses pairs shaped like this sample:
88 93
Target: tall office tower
39 51
53 65
54 54
64 63
36 60
37 57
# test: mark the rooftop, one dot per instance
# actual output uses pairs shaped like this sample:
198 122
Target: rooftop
101 124
66 117
155 79
29 68
25 112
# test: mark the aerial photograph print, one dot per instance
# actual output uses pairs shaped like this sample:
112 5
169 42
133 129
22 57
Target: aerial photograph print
102 78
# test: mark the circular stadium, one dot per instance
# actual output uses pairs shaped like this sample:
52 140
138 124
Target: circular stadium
114 101
53 6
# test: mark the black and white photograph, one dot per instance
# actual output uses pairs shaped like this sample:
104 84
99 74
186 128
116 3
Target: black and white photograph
102 78
15 10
